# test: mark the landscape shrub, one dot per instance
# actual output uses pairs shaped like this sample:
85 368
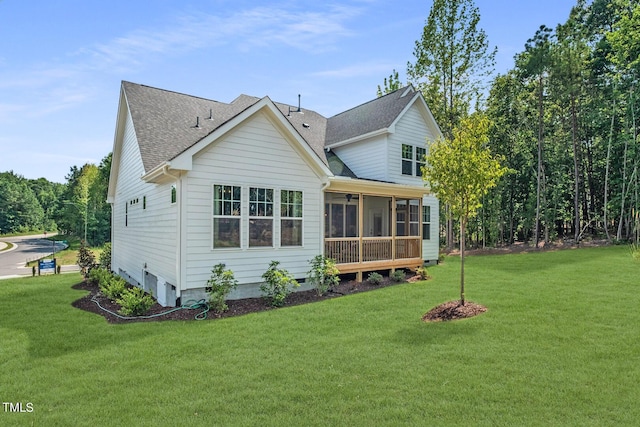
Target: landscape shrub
278 284
398 276
323 274
422 273
86 259
99 277
219 285
374 278
114 288
134 302
105 257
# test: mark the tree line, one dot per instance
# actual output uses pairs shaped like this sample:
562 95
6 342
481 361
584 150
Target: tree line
78 207
564 119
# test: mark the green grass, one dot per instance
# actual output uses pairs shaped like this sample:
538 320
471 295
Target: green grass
559 345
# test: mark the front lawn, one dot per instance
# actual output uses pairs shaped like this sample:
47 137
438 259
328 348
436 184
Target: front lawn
559 345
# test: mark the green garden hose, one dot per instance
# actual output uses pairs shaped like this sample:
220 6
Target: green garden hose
202 305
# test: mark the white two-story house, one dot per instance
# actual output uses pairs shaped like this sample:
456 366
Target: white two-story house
196 182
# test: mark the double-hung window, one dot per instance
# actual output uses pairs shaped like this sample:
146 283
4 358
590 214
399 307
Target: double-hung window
426 222
412 159
290 218
420 153
226 216
407 159
260 217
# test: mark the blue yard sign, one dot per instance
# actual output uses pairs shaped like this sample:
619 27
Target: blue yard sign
47 266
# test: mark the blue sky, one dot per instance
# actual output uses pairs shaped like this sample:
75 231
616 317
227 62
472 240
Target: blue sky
61 63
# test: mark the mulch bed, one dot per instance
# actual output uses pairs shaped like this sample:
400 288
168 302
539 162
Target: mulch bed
453 310
236 307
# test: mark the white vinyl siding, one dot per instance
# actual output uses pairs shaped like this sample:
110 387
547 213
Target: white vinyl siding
367 159
412 130
255 154
430 246
143 233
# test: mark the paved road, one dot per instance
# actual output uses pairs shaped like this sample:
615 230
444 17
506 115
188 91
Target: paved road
27 248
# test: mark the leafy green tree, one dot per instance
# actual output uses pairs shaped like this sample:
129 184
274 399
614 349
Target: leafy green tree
460 171
452 61
390 85
452 65
19 207
534 63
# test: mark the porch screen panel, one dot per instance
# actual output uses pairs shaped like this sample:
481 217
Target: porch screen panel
290 218
260 217
226 216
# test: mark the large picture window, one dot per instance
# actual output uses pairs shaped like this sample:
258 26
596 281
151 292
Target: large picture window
226 216
260 217
290 218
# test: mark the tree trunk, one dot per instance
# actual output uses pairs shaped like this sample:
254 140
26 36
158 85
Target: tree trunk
576 171
540 136
462 239
606 173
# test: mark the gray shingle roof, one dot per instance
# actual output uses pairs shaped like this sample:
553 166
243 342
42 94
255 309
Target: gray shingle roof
165 122
369 117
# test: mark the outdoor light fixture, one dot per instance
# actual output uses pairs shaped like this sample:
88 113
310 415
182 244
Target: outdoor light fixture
349 197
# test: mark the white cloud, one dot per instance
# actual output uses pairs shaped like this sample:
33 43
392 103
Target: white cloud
357 70
259 27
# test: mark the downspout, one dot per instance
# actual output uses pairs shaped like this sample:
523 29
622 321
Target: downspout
178 179
322 203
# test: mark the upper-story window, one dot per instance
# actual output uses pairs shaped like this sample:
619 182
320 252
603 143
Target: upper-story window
407 159
412 159
420 153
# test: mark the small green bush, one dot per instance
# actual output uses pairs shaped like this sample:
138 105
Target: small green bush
323 274
99 276
134 302
219 285
278 284
374 278
86 259
398 276
115 287
422 273
105 257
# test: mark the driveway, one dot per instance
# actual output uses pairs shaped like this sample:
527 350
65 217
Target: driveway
26 248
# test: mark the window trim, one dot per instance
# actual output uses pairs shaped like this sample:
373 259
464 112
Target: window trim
238 217
272 217
427 224
283 217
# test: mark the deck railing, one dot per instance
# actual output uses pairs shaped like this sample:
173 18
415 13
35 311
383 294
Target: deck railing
347 250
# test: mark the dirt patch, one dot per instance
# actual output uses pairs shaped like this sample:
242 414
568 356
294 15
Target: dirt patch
453 310
95 300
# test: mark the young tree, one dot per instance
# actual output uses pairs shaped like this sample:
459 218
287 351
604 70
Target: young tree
460 171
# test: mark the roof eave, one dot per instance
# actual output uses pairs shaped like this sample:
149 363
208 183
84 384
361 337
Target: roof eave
379 132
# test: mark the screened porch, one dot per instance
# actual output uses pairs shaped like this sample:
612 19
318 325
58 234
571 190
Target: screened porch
370 232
